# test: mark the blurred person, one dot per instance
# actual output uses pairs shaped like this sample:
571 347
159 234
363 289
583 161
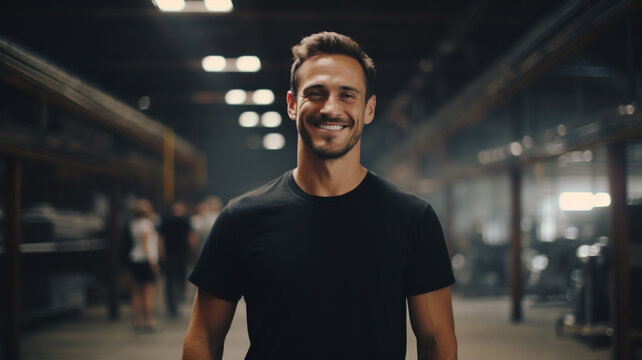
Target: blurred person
179 241
326 255
203 220
143 265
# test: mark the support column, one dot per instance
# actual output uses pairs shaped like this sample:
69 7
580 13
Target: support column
516 245
619 240
113 250
168 167
12 289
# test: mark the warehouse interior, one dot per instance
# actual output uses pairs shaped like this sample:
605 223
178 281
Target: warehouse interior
518 121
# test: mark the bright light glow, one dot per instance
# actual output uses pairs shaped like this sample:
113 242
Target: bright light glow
263 97
273 141
458 261
515 148
219 5
583 201
527 141
144 102
213 63
248 64
169 5
484 157
561 129
539 262
271 119
249 119
583 251
601 199
576 156
235 97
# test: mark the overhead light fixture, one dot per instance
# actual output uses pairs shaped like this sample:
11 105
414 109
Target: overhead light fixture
213 63
271 119
273 141
263 97
219 5
249 119
169 5
235 97
248 63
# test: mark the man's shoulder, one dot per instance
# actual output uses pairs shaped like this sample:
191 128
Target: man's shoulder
269 194
396 197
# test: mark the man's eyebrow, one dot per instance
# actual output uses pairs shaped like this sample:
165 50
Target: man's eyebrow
350 88
314 86
321 86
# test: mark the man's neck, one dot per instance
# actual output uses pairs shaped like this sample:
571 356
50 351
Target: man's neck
328 177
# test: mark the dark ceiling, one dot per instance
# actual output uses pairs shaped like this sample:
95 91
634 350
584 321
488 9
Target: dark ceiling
131 49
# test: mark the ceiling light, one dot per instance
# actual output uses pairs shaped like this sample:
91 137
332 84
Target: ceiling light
273 141
271 119
249 119
144 102
169 5
213 63
248 63
219 5
235 97
263 97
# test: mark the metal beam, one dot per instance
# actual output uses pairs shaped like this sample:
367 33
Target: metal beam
28 71
423 17
546 44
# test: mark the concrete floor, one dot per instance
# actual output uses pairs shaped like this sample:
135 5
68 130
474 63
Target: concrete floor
483 332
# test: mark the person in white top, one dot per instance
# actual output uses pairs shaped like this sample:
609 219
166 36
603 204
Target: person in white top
144 258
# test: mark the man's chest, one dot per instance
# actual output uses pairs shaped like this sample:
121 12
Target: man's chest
325 248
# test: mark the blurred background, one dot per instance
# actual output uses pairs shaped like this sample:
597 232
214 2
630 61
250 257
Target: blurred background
519 121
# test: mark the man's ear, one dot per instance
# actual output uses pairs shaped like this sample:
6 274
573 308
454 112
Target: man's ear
368 116
291 105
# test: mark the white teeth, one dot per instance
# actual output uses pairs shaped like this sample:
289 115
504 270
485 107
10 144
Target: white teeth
330 127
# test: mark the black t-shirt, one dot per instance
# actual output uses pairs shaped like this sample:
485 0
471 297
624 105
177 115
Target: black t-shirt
325 277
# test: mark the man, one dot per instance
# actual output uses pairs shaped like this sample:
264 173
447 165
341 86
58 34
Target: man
326 255
180 242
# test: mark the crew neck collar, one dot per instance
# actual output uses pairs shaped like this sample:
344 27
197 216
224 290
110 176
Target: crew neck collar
326 200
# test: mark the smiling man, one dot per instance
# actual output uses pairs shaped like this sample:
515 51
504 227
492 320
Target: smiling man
328 254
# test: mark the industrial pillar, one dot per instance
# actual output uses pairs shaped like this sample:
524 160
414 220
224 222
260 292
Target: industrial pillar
619 243
12 289
113 250
516 245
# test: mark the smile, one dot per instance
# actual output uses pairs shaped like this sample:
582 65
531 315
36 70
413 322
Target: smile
330 127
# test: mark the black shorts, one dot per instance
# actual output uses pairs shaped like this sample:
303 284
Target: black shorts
142 272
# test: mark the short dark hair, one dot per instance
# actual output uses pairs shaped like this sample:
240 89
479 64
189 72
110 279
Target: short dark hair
331 43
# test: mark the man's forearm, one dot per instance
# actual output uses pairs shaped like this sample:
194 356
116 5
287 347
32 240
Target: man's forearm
201 349
429 349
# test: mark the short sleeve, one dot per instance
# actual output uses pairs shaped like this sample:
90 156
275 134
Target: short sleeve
219 269
428 267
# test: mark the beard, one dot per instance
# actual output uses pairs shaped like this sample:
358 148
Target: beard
324 152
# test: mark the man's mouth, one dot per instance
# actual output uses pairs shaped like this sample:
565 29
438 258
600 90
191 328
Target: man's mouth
330 127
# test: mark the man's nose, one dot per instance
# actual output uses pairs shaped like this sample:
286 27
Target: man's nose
331 107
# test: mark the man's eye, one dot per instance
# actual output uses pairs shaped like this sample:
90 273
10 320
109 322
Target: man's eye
348 95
